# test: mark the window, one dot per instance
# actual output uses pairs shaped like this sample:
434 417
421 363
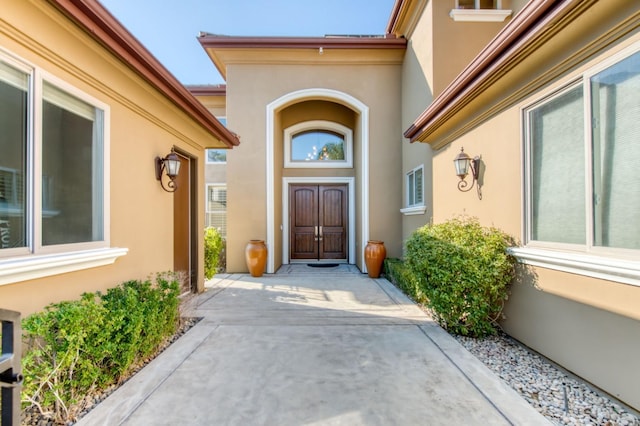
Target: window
52 167
478 4
318 144
217 156
414 192
580 174
414 187
216 215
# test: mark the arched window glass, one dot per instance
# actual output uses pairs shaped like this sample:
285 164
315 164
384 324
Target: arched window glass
317 145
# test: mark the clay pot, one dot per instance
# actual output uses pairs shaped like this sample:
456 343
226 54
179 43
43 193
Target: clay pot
374 254
256 256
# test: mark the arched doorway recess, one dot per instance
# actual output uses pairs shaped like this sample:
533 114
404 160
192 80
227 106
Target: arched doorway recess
359 194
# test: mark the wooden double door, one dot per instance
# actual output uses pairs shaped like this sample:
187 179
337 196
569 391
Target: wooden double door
318 222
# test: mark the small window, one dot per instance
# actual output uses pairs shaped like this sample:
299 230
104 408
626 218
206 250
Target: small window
415 185
478 4
318 144
216 156
216 214
479 11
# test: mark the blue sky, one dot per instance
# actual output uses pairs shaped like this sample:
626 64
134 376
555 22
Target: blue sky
168 28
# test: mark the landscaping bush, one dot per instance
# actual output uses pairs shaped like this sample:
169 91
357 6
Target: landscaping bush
213 245
464 270
75 348
404 278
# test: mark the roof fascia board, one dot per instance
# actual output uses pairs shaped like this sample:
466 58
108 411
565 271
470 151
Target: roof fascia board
208 90
334 42
96 21
526 28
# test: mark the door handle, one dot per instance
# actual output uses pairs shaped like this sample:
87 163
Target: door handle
320 232
315 233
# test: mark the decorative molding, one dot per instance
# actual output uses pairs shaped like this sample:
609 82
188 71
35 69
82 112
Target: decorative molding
38 266
414 210
480 15
617 270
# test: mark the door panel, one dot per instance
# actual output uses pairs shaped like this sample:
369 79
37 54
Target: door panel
318 221
333 220
304 220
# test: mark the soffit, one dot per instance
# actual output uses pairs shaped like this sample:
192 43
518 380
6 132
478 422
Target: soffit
224 50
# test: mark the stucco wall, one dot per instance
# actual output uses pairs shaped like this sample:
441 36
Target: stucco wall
589 326
250 88
144 124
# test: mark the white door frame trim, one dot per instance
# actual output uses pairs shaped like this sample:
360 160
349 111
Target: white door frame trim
363 121
351 203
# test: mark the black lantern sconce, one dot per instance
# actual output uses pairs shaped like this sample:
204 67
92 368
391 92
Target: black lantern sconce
171 166
463 163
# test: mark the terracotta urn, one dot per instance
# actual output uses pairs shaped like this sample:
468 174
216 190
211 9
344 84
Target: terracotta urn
374 254
256 256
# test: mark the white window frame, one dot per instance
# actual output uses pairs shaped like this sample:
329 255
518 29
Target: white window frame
35 260
608 263
415 208
331 126
207 211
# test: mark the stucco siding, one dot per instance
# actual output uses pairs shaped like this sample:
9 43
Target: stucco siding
143 124
588 325
251 87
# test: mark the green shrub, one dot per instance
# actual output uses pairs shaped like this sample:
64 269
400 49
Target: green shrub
76 347
464 271
402 276
213 245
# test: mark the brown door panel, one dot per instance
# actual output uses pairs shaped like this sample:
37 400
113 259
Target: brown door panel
304 220
318 221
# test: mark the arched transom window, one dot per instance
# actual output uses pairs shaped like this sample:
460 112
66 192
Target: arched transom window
318 144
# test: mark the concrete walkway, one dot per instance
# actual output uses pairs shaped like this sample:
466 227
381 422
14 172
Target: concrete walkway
312 346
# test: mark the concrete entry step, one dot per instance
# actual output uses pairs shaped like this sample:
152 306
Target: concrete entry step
305 268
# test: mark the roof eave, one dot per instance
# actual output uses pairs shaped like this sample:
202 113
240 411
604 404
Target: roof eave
208 89
108 31
525 27
335 42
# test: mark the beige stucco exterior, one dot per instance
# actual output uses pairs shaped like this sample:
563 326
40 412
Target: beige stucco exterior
346 87
590 326
144 124
438 49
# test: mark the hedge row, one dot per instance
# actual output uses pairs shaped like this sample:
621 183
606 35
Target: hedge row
76 348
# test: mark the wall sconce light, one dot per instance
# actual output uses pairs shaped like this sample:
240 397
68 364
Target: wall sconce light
463 163
171 166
